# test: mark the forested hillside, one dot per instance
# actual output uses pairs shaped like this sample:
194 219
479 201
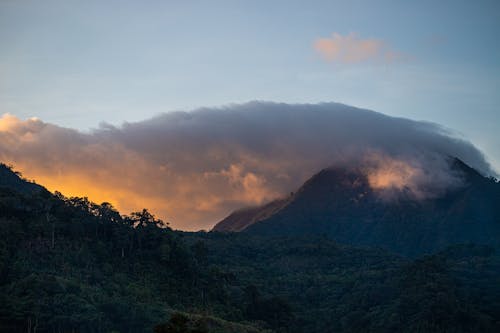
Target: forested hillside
67 264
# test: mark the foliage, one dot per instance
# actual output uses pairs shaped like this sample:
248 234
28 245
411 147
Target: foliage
67 264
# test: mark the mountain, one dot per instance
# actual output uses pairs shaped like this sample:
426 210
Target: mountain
340 204
242 218
71 265
13 181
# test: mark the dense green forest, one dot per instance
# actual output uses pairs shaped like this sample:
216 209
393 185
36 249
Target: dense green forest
70 265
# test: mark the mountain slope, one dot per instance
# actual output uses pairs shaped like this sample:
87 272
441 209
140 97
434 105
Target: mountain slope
70 265
242 218
340 203
12 180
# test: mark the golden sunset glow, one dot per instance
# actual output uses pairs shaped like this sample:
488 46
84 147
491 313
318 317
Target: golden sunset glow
192 205
69 162
391 173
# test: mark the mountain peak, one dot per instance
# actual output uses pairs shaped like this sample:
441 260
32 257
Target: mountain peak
470 174
340 203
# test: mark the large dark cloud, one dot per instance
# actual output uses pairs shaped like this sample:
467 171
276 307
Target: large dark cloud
192 168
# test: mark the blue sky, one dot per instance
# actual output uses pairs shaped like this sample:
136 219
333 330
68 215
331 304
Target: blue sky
78 63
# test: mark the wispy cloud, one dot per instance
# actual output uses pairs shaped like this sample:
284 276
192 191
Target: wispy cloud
350 49
193 168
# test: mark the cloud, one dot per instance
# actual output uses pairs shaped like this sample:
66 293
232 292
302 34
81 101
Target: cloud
193 168
417 177
351 49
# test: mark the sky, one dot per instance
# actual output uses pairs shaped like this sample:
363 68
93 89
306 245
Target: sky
86 65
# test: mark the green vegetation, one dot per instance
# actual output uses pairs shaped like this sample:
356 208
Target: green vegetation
69 265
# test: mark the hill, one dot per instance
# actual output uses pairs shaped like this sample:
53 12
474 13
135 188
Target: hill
242 218
13 181
70 265
340 203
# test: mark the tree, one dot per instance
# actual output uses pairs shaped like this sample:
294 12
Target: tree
143 219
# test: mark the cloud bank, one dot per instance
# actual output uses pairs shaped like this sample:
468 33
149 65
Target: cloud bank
350 49
193 168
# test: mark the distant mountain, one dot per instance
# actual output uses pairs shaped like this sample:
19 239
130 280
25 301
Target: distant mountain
340 204
243 218
12 180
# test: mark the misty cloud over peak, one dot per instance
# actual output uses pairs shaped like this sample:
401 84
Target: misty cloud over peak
192 168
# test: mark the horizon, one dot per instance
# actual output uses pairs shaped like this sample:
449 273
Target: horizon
93 92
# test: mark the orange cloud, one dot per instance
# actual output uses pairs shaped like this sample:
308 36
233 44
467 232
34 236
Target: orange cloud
351 49
386 175
389 176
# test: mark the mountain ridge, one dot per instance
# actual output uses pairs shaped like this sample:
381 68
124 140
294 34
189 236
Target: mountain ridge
339 202
13 180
